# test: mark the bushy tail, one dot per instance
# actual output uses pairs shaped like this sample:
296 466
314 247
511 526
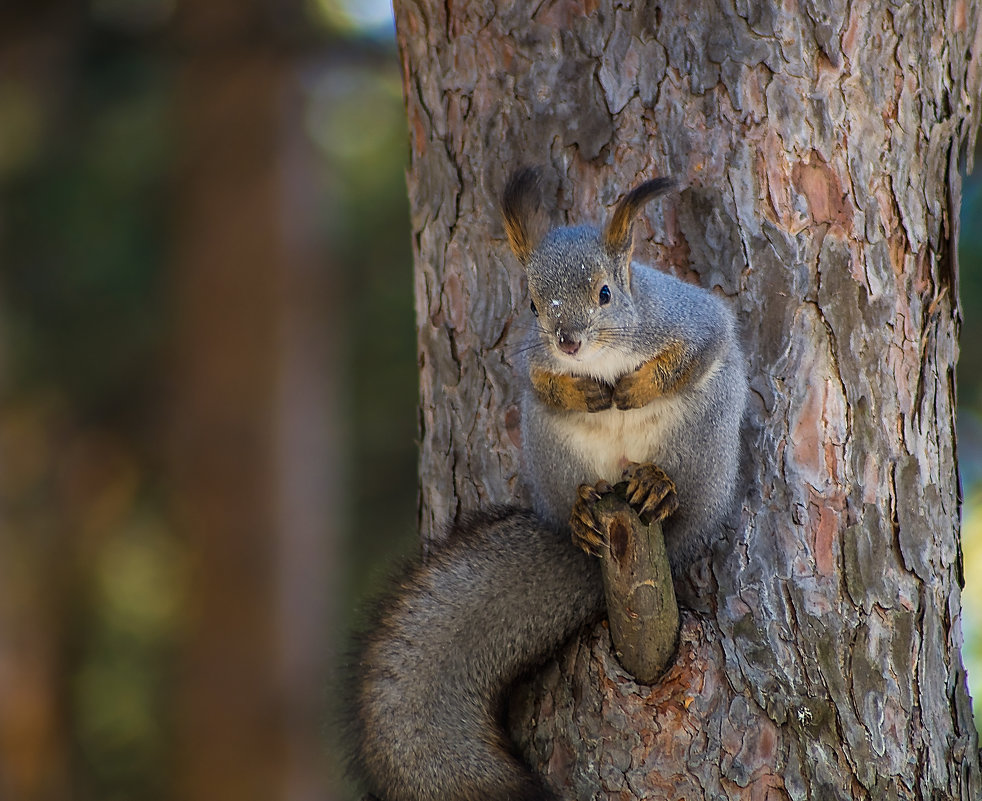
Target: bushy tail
497 599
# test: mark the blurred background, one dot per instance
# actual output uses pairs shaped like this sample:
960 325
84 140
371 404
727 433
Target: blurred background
208 387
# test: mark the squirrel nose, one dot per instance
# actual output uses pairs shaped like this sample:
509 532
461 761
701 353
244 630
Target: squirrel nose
567 343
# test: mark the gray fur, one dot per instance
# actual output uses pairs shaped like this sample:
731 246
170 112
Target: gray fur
698 429
491 603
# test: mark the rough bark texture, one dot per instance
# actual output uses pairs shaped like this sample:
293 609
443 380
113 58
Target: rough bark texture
817 145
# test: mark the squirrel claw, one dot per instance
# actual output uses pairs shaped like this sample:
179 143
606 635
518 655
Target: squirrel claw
650 491
587 534
589 540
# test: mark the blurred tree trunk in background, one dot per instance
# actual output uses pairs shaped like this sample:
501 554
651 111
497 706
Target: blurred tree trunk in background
817 149
37 568
254 494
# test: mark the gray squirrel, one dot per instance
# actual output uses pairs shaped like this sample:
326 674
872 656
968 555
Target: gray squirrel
628 373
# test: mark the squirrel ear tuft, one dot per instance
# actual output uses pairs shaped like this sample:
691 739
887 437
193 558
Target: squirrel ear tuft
617 232
520 209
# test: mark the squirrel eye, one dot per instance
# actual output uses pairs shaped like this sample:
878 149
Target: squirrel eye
535 311
604 295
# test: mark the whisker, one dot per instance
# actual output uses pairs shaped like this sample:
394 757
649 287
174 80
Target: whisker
525 348
529 327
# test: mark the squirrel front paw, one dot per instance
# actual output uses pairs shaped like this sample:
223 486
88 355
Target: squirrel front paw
588 534
596 394
657 377
632 393
650 492
571 393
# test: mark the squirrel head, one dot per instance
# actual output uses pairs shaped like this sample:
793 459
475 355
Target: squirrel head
579 278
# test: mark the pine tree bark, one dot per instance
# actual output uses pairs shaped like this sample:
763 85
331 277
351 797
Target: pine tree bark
817 145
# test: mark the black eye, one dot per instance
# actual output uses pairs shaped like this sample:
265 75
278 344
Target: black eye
535 311
604 295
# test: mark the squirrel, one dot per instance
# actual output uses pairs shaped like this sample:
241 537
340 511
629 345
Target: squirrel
631 373
627 374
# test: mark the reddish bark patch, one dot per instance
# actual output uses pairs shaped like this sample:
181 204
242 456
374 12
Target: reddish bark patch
774 158
960 16
821 187
454 304
897 243
825 520
806 433
418 127
850 36
750 750
923 281
760 175
561 13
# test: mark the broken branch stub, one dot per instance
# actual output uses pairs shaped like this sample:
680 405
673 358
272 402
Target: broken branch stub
641 604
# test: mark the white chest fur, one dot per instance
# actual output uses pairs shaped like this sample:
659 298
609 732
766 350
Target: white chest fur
604 442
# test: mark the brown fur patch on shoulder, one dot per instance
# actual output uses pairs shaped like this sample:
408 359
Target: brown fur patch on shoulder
520 209
617 233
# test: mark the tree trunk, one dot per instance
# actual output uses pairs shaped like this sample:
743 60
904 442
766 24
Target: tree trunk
255 491
39 538
817 146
